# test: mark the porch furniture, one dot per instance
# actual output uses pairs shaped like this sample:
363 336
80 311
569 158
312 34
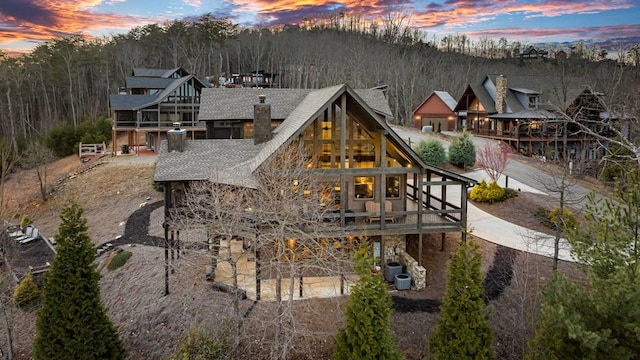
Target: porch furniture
374 207
35 235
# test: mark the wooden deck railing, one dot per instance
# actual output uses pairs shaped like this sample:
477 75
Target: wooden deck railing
86 150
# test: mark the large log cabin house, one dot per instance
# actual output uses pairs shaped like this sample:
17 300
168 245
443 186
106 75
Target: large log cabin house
353 153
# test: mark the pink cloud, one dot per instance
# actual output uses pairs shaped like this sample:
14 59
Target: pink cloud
36 20
464 12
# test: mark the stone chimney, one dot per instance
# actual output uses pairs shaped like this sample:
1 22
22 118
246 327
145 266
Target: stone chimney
176 138
261 121
501 93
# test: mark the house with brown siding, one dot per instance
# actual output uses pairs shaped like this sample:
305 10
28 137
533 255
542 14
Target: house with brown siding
436 111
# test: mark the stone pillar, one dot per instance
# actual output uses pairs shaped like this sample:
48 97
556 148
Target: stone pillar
501 93
417 272
261 121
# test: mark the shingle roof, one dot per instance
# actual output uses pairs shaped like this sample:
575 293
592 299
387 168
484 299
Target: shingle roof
237 103
512 102
233 161
376 99
220 160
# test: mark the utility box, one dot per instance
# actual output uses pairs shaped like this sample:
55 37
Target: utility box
403 282
391 270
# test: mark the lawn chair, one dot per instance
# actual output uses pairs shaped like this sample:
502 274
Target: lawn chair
35 235
27 233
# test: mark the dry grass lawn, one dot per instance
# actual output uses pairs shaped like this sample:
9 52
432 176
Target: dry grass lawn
151 325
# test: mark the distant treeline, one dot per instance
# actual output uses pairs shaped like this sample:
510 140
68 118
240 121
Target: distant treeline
68 80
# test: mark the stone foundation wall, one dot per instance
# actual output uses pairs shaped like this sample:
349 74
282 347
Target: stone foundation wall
391 242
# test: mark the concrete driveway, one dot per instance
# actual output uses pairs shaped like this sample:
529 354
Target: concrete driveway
522 177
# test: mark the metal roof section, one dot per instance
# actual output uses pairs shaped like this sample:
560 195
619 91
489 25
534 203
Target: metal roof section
159 73
554 90
524 91
129 102
484 97
137 102
141 82
447 99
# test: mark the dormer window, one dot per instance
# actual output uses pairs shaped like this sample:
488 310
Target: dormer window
533 102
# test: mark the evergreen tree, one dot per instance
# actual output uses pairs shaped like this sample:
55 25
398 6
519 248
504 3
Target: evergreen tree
431 151
463 330
367 335
600 320
72 322
462 151
26 292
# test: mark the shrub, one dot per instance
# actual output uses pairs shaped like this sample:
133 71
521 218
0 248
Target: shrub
26 221
119 260
462 151
63 139
569 221
26 292
488 193
199 346
157 186
431 151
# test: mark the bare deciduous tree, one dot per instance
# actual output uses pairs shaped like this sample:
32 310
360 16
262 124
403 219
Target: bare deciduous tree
38 156
8 159
493 159
279 214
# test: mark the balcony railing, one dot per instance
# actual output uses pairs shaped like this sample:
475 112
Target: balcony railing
432 215
160 124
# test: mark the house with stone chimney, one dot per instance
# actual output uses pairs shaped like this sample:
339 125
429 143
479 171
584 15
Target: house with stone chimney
150 102
372 183
538 115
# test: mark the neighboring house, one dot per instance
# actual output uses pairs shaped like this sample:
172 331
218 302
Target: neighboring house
436 111
561 55
528 112
353 155
258 79
533 53
151 101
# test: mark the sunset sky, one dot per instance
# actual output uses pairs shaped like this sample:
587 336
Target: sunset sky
25 23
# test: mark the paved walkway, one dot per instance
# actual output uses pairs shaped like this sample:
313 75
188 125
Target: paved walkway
494 229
